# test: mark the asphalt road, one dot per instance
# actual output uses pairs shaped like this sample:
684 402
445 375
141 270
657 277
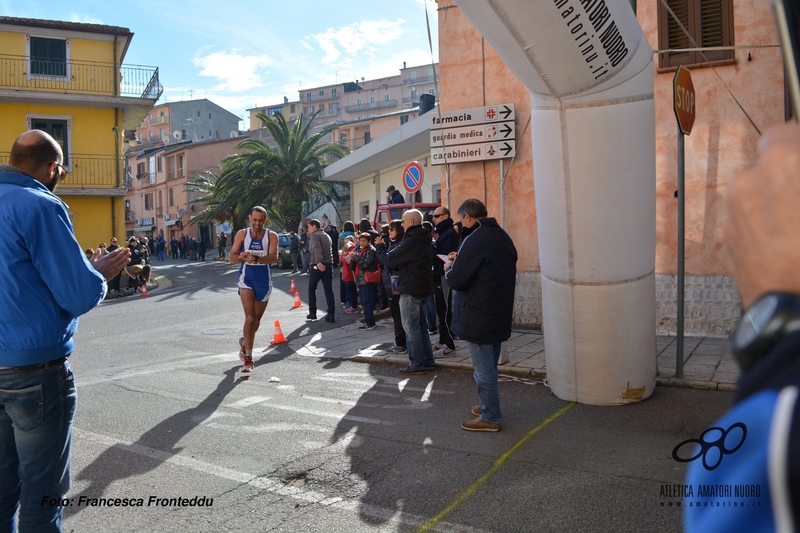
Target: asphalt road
336 445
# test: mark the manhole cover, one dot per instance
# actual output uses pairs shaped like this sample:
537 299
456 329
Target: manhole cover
220 331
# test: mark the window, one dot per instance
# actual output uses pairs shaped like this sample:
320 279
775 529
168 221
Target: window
403 119
385 97
151 174
308 97
291 108
209 116
48 57
358 101
198 113
709 22
310 110
171 169
333 93
432 91
180 166
342 138
58 130
322 93
148 202
169 194
371 99
160 164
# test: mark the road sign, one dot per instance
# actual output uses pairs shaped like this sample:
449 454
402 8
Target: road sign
412 177
475 115
181 212
683 99
473 134
473 152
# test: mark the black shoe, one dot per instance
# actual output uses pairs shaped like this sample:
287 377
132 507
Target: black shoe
311 316
330 318
431 367
407 370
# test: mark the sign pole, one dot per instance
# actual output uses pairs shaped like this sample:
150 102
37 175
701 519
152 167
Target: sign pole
681 251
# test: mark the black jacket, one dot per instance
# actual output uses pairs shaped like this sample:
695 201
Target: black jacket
446 242
482 278
412 259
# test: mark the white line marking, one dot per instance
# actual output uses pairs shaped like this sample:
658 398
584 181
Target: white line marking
246 402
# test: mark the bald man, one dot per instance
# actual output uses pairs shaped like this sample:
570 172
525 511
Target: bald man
49 283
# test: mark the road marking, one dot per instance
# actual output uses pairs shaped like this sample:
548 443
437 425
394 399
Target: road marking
276 486
430 524
247 402
427 394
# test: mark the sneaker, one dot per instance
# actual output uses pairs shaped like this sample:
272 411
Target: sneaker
350 310
311 316
330 318
248 366
479 424
408 371
437 347
433 331
444 351
397 349
242 350
365 327
476 410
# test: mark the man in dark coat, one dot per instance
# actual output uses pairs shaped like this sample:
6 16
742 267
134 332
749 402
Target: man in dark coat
412 259
394 197
446 242
482 275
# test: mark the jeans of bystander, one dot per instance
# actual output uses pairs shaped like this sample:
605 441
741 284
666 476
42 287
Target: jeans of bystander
36 412
418 341
484 361
314 277
367 293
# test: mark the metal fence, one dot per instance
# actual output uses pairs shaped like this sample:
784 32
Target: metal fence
79 77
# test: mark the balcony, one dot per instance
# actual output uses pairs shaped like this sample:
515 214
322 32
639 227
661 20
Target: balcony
130 216
371 105
159 212
159 120
413 99
418 80
88 171
79 77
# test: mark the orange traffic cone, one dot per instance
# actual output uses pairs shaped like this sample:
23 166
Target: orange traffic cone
144 289
293 288
278 338
297 302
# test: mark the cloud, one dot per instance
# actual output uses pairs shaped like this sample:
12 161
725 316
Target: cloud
86 19
361 38
235 71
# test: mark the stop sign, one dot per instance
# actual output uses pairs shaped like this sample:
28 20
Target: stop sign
683 99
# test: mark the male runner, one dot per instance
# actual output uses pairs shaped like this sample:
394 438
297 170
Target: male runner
255 277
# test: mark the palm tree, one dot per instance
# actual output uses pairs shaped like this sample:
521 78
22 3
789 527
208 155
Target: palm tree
284 177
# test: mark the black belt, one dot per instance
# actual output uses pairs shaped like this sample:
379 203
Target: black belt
40 366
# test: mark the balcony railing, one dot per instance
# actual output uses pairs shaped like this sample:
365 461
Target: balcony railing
159 120
88 171
370 105
79 77
418 80
130 216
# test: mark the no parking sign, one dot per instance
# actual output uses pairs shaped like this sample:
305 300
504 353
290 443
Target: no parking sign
412 177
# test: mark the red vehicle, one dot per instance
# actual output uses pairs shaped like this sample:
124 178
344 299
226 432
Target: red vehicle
384 213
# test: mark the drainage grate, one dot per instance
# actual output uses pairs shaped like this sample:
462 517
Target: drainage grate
220 331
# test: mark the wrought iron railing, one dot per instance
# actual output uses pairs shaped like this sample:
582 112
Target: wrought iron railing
79 77
370 105
419 79
87 171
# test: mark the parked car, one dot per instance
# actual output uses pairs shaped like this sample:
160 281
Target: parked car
284 257
383 212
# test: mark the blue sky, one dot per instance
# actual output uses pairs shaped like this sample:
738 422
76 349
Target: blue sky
242 54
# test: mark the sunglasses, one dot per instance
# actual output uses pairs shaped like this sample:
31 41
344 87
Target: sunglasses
438 216
63 171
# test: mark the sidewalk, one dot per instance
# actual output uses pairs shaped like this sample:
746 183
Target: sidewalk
708 364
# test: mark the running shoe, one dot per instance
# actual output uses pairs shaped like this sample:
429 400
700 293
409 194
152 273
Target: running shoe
242 350
366 327
248 365
350 310
397 349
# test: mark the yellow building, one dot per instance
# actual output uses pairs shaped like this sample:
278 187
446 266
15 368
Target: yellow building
67 78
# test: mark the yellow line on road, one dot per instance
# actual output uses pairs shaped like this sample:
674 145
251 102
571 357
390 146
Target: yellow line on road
430 524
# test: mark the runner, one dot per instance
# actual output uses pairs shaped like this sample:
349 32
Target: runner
255 277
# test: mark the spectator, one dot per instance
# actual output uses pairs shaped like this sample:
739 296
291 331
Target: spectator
321 251
482 275
222 246
412 259
304 252
135 265
333 233
394 197
174 247
161 244
103 249
113 285
192 249
430 310
88 253
348 278
363 259
52 284
294 251
201 249
446 242
348 230
390 284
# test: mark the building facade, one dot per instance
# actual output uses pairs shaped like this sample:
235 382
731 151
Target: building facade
157 202
68 79
190 120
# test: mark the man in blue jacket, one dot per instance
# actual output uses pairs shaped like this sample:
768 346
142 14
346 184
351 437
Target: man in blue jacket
49 283
482 275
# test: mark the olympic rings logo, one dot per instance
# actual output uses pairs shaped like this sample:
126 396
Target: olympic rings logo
712 451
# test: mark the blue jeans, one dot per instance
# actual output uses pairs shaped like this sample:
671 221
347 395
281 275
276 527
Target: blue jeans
314 277
484 361
430 312
36 413
161 255
367 293
418 341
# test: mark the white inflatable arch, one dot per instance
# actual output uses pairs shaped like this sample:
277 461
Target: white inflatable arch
589 69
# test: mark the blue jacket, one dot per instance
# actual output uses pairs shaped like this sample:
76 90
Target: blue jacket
754 484
48 282
483 278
